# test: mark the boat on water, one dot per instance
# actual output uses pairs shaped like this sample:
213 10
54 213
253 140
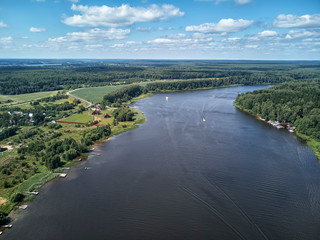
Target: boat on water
167 98
203 119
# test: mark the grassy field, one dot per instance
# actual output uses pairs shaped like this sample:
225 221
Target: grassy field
21 98
84 117
95 94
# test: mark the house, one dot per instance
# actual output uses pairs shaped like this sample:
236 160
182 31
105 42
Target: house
96 112
18 113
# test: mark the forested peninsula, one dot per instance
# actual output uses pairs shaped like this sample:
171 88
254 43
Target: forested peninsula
296 103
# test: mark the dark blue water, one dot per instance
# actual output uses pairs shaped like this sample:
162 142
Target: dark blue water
179 177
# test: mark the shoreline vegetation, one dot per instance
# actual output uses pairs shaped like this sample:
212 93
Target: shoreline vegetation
42 174
313 144
294 106
37 148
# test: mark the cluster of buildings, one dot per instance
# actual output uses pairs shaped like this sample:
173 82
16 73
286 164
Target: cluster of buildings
97 111
278 125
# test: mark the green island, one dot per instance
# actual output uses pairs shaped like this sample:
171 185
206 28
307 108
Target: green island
47 125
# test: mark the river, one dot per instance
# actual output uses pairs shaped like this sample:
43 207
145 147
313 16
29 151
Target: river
180 177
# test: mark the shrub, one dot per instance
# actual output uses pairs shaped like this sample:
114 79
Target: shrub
3 218
17 197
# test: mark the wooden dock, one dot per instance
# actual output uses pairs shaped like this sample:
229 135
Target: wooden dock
96 154
6 226
34 193
62 175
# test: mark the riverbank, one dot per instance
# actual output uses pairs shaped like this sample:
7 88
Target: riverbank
131 191
43 175
196 89
313 144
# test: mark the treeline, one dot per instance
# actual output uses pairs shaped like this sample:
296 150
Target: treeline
52 151
19 80
123 114
8 132
195 84
123 95
95 134
38 147
127 93
295 102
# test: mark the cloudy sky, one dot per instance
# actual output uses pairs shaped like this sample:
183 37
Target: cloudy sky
158 29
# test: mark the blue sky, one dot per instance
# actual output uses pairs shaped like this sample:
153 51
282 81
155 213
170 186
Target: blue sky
157 29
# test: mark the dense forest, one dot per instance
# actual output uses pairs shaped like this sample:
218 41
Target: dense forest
124 94
196 84
294 102
28 79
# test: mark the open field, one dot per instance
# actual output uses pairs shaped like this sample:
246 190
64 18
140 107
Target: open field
95 94
83 117
21 98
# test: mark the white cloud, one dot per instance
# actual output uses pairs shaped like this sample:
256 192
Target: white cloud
223 26
93 35
294 34
162 40
127 44
263 35
169 43
187 42
149 29
202 35
231 40
34 29
293 21
251 46
243 2
92 47
239 2
125 15
144 29
74 1
267 33
5 40
176 36
3 25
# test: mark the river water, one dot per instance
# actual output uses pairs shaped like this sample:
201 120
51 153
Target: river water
180 177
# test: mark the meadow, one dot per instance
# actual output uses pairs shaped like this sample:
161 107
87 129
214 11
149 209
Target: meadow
22 98
83 117
95 94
